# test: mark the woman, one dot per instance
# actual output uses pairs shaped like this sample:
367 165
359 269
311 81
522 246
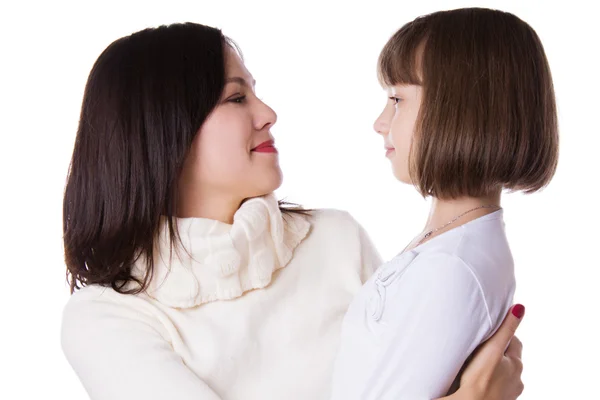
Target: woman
460 141
195 282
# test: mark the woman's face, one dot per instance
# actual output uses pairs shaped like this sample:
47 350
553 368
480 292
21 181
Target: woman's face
233 155
397 124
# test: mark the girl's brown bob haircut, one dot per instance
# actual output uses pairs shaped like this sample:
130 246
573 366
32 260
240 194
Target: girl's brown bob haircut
488 115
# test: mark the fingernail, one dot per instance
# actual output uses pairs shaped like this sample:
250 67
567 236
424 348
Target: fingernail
518 311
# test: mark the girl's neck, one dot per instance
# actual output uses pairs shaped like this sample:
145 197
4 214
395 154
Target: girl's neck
444 211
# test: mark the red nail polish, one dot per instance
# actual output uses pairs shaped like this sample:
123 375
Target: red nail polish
518 311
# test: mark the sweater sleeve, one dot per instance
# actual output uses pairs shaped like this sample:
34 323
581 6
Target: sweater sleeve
119 353
433 317
370 257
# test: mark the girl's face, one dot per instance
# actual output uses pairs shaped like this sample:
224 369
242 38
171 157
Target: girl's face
397 124
233 155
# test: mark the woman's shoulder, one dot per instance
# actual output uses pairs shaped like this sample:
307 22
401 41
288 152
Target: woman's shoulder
99 307
96 314
333 220
335 226
97 300
89 295
337 235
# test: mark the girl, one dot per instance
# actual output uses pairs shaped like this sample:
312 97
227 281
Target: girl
194 282
471 112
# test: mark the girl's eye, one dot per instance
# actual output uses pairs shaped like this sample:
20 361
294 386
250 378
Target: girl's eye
396 100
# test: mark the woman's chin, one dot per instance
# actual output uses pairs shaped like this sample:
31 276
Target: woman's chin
268 184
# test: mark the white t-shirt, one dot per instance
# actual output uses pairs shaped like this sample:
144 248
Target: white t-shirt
236 318
414 323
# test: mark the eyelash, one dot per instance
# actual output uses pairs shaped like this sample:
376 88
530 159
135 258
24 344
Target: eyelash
396 100
238 100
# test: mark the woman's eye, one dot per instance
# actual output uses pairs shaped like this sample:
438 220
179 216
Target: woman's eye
238 100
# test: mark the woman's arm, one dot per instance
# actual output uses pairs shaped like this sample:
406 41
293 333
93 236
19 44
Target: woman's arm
119 353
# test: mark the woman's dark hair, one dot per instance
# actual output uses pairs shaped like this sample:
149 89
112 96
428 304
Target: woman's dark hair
146 97
488 114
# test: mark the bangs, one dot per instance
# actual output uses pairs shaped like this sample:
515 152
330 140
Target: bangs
400 60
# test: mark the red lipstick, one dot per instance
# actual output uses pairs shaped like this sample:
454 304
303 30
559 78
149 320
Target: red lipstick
266 147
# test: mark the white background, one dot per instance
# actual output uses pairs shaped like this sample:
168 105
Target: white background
315 65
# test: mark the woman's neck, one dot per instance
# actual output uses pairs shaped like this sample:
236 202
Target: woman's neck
195 203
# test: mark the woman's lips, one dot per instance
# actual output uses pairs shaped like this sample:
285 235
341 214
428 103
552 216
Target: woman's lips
266 147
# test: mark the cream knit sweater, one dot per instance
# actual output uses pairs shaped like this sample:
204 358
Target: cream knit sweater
247 311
